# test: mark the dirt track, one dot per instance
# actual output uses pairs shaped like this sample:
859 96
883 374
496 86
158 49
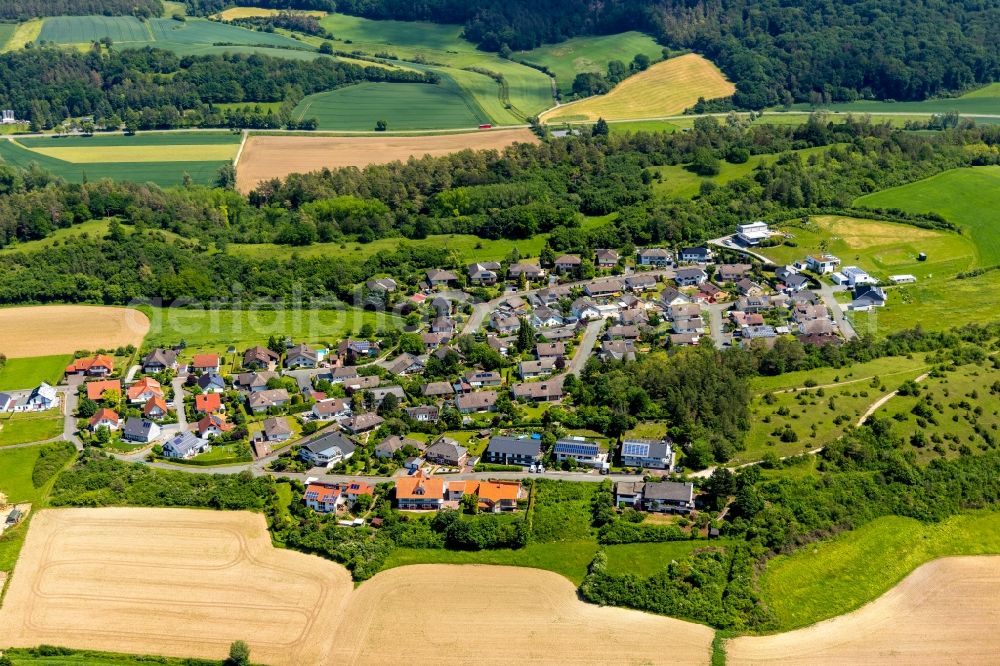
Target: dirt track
186 583
47 330
947 611
266 157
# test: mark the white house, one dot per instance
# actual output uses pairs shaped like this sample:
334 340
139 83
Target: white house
822 263
852 276
752 233
902 279
42 398
327 450
185 445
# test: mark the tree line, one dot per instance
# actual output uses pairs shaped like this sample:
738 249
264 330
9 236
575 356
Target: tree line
20 10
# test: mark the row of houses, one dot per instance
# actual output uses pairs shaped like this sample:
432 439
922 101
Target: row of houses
418 492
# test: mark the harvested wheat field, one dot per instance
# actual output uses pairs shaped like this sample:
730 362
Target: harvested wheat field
665 89
47 330
947 611
480 614
266 157
181 582
175 582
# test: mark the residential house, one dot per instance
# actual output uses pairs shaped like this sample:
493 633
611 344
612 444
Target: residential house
143 390
208 403
261 401
688 325
586 453
604 288
97 389
140 431
479 401
484 273
354 489
497 496
185 445
653 256
552 295
438 277
585 309
504 323
205 363
388 446
685 277
105 418
362 423
822 263
301 356
640 282
405 364
437 389
276 429
363 383
867 297
568 263
684 311
159 360
803 312
647 453
732 272
481 378
905 278
254 382
326 450
419 493
7 402
443 325
547 391
349 351
634 317
550 349
752 233
748 287
323 498
101 365
628 493
446 451
559 333
155 408
434 340
758 332
709 293
386 285
852 276
213 425
671 296
817 327
534 369
259 358
379 394
422 413
617 350
524 451
529 271
343 374
794 283
212 382
605 258
753 304
684 339
783 272
668 497
696 255
630 332
332 409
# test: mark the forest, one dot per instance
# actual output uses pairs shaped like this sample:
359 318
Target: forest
20 10
155 89
776 52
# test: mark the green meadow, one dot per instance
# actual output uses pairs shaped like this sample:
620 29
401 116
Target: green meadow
25 427
590 54
985 100
836 576
27 373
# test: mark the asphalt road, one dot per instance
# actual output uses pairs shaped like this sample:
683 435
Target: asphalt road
585 348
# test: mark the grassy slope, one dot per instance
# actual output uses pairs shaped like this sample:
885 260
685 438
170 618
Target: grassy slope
25 373
30 427
983 100
218 329
861 372
24 32
6 31
590 54
646 559
839 575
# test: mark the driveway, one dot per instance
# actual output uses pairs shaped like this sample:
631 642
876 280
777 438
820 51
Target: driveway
178 386
828 293
586 347
70 402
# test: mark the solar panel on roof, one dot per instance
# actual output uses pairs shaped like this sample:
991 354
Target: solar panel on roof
582 449
634 449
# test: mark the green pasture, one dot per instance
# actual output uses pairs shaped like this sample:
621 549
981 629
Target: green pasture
6 32
165 139
416 34
165 174
645 559
679 182
590 54
26 427
644 126
401 105
87 29
836 576
27 373
956 397
985 100
884 368
218 329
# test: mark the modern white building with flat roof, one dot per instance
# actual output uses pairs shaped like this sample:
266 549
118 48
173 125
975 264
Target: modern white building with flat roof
753 233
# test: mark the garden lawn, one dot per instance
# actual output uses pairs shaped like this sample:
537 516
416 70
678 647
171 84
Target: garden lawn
218 329
984 100
567 558
27 373
646 559
25 427
836 576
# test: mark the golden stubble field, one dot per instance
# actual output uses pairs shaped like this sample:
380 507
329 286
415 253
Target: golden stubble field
665 89
183 582
945 612
267 157
47 330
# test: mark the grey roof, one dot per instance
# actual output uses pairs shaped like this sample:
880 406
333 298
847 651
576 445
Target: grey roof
211 379
275 426
690 273
646 448
513 446
184 443
268 398
164 357
669 490
363 421
477 400
393 443
135 427
5 398
447 448
329 441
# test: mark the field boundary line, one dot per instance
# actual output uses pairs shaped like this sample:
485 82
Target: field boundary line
239 152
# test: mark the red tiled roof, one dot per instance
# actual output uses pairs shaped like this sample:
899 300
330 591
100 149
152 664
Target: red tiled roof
407 488
216 421
84 364
104 414
205 361
207 402
324 494
143 385
155 401
95 390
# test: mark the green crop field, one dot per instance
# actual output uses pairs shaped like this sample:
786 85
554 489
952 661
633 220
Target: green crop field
401 105
165 174
836 576
218 329
159 139
956 397
6 32
27 373
87 29
590 54
678 182
985 100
